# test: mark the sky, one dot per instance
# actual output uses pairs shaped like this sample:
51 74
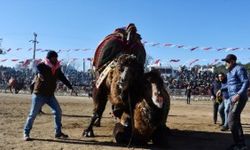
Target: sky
82 24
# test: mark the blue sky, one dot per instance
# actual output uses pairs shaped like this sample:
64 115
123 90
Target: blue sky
84 23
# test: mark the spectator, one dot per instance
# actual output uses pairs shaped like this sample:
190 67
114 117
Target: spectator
216 85
188 93
224 106
237 84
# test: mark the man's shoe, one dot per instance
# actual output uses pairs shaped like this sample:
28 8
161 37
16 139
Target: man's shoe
238 147
243 147
221 124
61 136
224 128
26 137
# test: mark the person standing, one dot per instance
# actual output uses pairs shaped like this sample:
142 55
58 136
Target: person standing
48 72
216 85
224 106
188 93
237 84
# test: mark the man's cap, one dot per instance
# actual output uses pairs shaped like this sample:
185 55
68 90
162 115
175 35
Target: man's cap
230 57
51 54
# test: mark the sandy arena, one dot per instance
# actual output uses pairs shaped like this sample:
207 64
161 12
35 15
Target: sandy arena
191 126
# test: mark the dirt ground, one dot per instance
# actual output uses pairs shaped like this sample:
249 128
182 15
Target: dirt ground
191 126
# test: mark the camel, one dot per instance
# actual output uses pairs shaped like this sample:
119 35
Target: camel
149 115
14 84
121 86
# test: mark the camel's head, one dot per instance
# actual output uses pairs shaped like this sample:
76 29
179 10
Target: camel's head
127 68
155 88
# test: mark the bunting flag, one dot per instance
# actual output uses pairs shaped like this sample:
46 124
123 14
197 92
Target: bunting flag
18 49
30 49
207 48
157 62
3 60
8 49
167 45
14 59
89 59
214 61
194 48
37 61
180 46
219 49
26 62
193 62
174 60
144 42
155 44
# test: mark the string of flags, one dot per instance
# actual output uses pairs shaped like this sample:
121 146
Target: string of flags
193 48
146 43
27 62
45 50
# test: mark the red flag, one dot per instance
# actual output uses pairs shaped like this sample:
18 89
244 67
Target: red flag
193 62
14 59
9 50
157 61
26 62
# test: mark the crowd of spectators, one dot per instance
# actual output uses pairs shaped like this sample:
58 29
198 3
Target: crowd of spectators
200 81
79 79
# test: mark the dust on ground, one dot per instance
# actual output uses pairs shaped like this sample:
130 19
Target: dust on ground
191 126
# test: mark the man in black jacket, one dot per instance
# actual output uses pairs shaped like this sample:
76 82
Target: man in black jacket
48 72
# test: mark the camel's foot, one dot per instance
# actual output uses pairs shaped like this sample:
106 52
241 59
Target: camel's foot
88 133
161 133
121 134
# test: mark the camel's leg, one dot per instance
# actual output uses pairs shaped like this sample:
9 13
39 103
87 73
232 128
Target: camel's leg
11 89
100 101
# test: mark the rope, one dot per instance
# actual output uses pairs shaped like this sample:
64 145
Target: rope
132 120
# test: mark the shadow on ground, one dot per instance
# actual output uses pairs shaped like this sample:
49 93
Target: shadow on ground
193 140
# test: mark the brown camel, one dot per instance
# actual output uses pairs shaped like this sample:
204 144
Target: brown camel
121 87
150 115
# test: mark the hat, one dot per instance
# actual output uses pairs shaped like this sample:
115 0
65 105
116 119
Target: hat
51 54
230 57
